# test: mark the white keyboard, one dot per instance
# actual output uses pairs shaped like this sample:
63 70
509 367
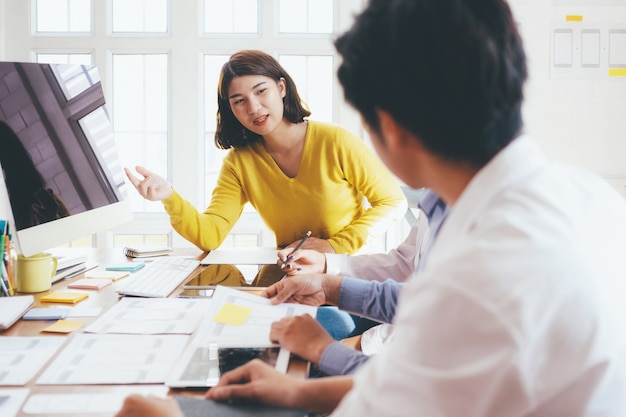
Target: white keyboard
158 278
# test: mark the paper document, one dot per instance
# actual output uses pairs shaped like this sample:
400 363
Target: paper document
22 357
241 256
239 318
152 316
114 359
11 400
235 329
81 404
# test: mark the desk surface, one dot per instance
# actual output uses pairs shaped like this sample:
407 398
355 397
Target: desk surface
105 298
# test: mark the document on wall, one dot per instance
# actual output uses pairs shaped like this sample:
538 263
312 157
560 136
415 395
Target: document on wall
238 318
22 357
11 400
152 316
114 359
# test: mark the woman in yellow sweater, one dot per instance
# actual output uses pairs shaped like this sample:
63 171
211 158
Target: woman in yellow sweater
299 174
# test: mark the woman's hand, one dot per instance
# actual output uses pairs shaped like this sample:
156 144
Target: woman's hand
303 261
152 187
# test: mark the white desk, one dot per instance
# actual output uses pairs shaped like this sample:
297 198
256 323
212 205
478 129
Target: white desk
105 298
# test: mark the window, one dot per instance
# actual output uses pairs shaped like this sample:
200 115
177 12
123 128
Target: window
159 62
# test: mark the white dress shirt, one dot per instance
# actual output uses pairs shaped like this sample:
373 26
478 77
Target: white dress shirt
398 264
520 308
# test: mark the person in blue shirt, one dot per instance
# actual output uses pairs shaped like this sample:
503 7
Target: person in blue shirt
312 340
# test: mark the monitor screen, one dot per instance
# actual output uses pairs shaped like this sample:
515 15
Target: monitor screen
62 176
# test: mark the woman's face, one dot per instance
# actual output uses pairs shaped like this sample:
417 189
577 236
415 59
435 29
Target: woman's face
257 102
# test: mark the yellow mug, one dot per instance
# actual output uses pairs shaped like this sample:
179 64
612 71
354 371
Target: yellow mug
34 273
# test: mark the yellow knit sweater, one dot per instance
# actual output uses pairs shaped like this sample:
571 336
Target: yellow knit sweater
337 170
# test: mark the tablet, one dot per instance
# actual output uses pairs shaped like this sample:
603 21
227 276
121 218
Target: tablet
202 366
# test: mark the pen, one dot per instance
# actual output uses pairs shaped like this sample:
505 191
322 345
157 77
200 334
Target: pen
298 246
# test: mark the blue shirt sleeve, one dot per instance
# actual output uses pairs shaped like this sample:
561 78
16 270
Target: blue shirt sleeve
371 299
339 359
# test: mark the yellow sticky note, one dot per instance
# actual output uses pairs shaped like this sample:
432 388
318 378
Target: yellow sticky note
573 18
232 314
64 297
617 72
63 326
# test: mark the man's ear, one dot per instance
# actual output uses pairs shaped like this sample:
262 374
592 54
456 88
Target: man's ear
391 132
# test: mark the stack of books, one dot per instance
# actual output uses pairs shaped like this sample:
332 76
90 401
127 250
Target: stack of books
70 262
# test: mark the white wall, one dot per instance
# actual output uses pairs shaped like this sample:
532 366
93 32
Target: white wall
577 117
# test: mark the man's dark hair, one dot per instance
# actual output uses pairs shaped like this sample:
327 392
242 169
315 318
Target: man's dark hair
231 133
450 71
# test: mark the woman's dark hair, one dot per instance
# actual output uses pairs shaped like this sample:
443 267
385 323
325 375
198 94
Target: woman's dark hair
230 133
450 71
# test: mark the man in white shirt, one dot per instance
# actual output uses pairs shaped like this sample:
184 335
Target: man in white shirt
519 309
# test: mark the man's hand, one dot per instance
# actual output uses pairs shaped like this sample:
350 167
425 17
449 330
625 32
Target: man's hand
258 382
313 289
303 261
301 335
151 187
140 406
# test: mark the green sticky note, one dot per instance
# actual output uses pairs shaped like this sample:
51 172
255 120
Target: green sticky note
232 314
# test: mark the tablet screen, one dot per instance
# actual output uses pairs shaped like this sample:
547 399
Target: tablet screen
203 365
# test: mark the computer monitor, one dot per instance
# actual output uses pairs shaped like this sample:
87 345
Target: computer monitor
62 178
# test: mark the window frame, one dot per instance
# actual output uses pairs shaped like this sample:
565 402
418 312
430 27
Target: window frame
186 45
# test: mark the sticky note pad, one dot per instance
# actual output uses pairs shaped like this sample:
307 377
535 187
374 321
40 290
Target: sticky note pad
112 275
63 326
90 284
126 266
64 297
46 313
232 314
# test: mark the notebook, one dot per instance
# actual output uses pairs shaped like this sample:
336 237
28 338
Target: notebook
13 308
146 250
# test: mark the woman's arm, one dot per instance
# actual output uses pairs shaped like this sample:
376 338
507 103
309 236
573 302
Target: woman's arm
207 230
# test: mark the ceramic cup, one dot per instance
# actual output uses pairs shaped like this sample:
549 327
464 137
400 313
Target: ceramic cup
34 273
